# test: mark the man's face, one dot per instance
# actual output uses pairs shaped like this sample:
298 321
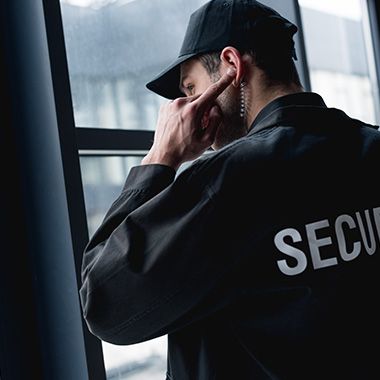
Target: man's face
195 80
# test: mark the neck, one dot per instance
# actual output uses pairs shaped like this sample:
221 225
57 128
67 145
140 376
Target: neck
259 97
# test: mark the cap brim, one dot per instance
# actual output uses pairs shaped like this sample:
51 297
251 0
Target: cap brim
167 83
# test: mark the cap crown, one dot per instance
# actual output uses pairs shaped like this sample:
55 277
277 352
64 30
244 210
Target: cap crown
240 23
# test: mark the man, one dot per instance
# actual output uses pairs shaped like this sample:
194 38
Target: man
260 260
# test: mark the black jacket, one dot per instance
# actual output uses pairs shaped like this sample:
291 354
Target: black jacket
260 260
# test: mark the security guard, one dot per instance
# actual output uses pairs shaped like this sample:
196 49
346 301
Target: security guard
261 259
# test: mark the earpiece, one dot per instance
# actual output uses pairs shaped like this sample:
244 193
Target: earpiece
242 99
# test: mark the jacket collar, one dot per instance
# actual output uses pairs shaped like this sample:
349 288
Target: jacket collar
280 109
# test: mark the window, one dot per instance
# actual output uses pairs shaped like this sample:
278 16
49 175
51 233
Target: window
103 179
340 56
113 49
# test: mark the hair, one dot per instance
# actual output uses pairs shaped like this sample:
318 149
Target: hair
278 69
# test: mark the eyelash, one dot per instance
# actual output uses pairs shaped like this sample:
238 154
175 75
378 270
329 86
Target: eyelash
190 88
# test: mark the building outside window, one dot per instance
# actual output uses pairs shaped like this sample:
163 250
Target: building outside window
113 49
340 56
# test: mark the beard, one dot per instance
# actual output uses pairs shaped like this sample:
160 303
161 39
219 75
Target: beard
233 126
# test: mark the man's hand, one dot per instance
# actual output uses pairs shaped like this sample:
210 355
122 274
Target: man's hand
186 127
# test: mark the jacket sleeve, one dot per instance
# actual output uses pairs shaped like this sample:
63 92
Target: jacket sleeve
154 264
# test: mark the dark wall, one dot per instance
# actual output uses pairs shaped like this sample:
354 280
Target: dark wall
20 357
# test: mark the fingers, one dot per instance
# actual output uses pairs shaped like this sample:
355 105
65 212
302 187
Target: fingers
210 95
192 97
181 101
178 102
214 120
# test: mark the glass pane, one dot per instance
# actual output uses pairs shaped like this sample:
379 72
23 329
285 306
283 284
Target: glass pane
338 55
103 179
114 47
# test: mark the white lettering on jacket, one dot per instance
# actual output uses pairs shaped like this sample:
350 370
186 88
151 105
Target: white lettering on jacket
295 260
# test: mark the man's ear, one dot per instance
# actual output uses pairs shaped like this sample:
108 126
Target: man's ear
231 57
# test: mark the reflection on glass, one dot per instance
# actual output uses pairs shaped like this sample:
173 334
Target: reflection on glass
338 57
103 179
114 47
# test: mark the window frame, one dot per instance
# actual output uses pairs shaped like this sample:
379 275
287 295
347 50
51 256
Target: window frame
372 9
71 166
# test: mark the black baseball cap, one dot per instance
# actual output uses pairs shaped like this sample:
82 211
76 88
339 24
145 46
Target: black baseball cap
243 24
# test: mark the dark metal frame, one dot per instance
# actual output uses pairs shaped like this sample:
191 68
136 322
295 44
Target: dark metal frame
374 16
71 165
96 139
373 7
302 56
